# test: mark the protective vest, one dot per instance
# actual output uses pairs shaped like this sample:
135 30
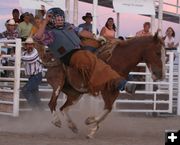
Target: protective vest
65 40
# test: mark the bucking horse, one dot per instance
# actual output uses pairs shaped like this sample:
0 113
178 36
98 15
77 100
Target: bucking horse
124 56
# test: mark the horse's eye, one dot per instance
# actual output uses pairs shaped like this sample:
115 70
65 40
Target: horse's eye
158 53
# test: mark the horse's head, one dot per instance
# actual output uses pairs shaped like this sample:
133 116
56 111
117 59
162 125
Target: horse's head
154 56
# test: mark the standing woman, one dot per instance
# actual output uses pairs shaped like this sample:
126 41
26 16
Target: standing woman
169 38
108 31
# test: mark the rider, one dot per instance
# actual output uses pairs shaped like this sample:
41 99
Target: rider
63 42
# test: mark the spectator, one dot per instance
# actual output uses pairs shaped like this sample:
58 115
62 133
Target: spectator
33 69
41 13
36 26
145 31
3 62
87 25
11 32
15 14
108 31
31 18
169 38
85 29
25 27
21 17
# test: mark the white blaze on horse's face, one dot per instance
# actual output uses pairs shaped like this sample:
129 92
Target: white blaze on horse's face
154 77
163 59
158 75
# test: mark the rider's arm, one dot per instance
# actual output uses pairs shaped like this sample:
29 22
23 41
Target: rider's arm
41 30
44 36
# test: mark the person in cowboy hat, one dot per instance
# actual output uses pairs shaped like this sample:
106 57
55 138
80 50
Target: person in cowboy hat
33 70
11 30
10 33
87 26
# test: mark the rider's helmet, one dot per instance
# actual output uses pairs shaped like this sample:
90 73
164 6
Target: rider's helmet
55 12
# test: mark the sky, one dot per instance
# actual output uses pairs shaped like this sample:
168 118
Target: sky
129 23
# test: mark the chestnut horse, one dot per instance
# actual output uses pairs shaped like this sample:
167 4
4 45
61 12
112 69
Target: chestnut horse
125 56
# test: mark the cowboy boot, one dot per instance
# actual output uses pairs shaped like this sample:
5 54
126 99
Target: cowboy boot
130 88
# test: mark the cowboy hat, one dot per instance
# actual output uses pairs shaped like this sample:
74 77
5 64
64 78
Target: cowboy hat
29 40
88 15
11 22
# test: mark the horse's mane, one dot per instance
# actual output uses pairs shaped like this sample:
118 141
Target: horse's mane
143 39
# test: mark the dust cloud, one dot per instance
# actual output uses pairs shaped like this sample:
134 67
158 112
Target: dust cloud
35 127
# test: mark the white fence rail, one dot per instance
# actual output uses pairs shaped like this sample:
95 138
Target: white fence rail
157 99
164 96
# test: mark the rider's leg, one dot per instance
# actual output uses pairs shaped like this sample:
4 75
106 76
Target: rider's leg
128 87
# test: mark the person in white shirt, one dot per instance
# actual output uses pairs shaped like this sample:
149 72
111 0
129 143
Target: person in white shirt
169 38
33 69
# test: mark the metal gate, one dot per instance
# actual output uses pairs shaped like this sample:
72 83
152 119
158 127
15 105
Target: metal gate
9 96
145 100
154 97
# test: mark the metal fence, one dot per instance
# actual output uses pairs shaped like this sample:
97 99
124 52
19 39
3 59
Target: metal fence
146 99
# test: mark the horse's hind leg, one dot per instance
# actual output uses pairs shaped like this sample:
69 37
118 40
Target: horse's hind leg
109 97
71 100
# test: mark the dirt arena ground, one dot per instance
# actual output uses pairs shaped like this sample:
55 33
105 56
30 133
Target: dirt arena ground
35 128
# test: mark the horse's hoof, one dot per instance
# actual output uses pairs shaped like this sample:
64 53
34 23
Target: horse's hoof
73 127
57 123
90 120
89 136
74 130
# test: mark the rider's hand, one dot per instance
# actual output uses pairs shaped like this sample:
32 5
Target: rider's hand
48 17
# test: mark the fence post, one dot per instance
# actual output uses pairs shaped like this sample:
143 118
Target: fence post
178 97
171 72
17 77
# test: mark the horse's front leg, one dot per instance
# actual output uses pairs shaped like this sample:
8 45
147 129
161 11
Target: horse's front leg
55 77
109 98
71 100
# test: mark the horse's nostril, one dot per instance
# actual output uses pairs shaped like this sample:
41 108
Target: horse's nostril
158 74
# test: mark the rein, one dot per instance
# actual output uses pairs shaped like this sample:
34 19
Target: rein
105 51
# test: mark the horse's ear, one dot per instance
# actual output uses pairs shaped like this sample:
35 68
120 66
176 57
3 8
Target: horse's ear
155 37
